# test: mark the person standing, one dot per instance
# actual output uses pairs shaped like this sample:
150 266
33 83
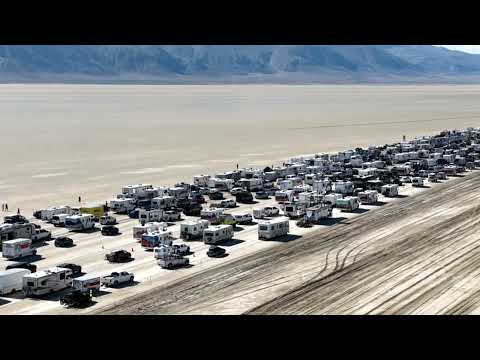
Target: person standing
79 199
3 207
6 207
18 211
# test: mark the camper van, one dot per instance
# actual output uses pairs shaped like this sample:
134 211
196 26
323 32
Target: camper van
217 234
190 230
12 280
47 281
80 222
390 190
163 202
271 229
18 248
150 215
368 197
139 230
151 240
317 213
122 206
59 220
348 203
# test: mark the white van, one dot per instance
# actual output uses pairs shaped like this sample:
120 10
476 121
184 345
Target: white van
12 280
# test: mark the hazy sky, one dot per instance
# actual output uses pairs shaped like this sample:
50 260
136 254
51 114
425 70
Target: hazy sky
474 49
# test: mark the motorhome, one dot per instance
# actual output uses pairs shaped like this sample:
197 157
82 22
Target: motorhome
287 184
137 191
171 261
390 190
348 203
178 192
322 186
122 206
343 187
172 215
151 240
213 215
217 234
11 280
284 195
17 248
270 229
145 216
243 218
368 197
332 198
139 230
319 212
253 184
193 229
310 198
47 281
266 211
201 180
294 209
80 222
163 202
221 184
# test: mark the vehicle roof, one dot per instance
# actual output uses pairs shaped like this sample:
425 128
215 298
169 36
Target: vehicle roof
15 241
87 277
274 221
14 271
43 273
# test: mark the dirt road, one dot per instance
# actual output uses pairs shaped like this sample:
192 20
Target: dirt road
418 255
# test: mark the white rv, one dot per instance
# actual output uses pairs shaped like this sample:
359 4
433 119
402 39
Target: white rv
18 248
80 222
294 210
139 230
243 218
217 234
348 203
390 190
266 211
252 184
136 191
332 198
221 184
271 229
213 215
284 196
343 187
368 197
152 240
16 231
47 281
319 212
178 192
171 261
12 280
150 215
193 229
122 206
163 202
59 220
201 180
47 214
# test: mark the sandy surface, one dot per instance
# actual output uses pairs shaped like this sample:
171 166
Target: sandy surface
61 141
416 255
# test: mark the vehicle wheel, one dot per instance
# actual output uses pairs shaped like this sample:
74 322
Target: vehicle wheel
34 252
115 283
169 266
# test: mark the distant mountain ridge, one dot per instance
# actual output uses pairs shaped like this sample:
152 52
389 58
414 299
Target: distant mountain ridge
236 63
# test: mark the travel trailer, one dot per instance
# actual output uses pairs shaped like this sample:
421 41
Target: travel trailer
150 215
322 186
368 197
11 280
349 203
47 281
270 229
390 190
139 230
151 240
163 202
317 213
17 248
193 229
217 234
80 222
332 198
294 209
122 206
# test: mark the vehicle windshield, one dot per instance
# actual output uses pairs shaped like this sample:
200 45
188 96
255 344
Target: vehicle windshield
150 237
263 227
72 221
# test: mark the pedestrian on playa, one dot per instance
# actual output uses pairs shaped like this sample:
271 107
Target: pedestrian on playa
18 211
3 207
79 199
6 207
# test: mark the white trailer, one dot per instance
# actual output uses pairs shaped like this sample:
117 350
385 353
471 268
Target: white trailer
332 198
150 215
266 211
368 197
319 212
152 240
284 196
294 210
163 202
47 214
137 190
221 184
80 222
217 234
11 280
343 187
348 203
243 218
122 206
18 248
390 190
271 229
201 180
47 281
213 215
139 230
87 282
322 186
193 229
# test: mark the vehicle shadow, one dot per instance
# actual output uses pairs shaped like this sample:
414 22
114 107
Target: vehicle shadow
359 211
66 247
4 302
126 284
40 245
400 196
89 231
219 256
379 203
32 258
286 238
332 221
232 242
238 228
121 262
422 187
101 293
119 234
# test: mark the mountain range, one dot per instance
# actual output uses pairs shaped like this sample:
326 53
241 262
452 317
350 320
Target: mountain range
237 64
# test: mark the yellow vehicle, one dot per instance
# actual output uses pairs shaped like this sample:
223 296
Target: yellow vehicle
97 210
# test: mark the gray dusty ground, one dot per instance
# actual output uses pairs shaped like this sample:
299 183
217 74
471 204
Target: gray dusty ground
418 255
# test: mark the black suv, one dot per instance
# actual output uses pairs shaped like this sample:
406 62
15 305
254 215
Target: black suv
76 269
110 230
215 251
63 241
22 265
118 256
15 219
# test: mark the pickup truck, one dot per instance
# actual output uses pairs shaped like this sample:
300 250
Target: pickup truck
117 278
108 220
41 235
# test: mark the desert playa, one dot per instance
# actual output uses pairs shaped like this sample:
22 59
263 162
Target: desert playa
61 141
